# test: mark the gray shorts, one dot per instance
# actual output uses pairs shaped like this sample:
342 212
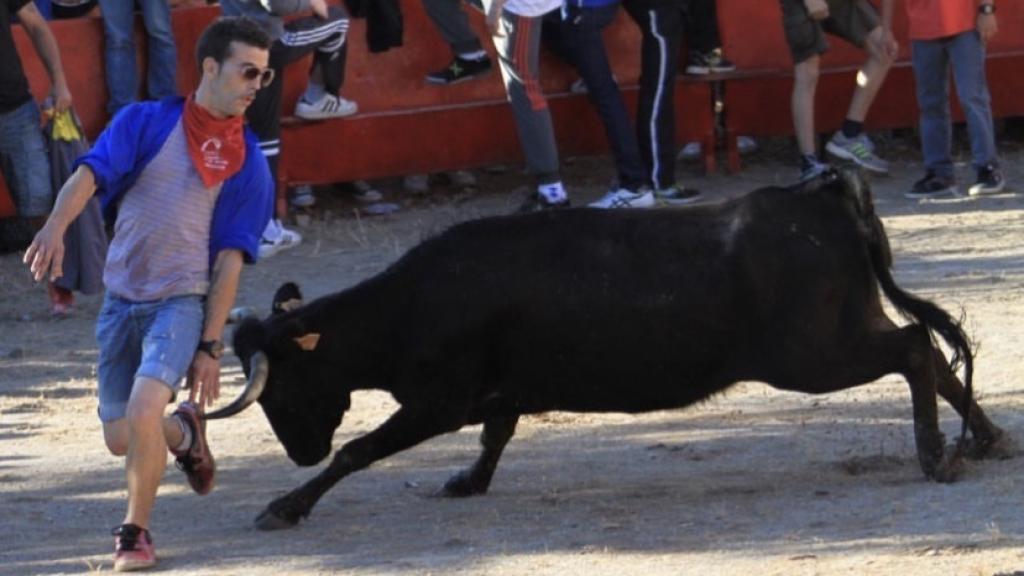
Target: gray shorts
851 20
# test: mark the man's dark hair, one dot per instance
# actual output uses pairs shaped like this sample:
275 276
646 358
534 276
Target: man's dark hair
215 42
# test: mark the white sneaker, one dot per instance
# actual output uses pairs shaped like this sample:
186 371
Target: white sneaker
691 151
746 144
416 183
462 178
327 107
302 196
623 198
276 238
365 192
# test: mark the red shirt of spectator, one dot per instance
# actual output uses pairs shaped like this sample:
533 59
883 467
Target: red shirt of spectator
933 19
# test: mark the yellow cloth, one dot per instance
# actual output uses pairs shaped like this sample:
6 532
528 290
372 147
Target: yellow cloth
64 127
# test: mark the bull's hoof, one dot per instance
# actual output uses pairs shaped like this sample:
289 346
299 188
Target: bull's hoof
997 447
278 516
949 467
462 485
267 520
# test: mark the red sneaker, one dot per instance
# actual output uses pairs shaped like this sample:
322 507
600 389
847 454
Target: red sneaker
61 300
196 462
133 548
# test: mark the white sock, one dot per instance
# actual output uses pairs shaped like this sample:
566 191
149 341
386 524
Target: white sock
477 56
314 92
186 436
553 192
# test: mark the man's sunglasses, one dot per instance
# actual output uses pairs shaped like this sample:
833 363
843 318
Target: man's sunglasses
250 73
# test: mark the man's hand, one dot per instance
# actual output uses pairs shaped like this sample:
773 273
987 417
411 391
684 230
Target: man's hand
883 43
817 9
319 8
987 27
203 379
45 256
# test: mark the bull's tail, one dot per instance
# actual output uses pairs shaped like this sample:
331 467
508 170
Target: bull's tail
918 310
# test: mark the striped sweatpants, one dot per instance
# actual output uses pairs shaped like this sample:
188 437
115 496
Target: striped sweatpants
519 58
661 24
326 39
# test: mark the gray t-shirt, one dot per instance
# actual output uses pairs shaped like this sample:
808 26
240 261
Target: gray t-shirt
161 245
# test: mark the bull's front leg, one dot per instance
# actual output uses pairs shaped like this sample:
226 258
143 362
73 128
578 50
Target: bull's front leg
405 428
477 478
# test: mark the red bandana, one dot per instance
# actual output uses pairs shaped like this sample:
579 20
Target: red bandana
216 145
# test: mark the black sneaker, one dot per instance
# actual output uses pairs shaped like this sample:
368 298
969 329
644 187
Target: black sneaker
990 181
677 194
932 186
537 203
460 70
811 168
713 62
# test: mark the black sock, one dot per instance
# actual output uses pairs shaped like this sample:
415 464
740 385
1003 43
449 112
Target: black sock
851 128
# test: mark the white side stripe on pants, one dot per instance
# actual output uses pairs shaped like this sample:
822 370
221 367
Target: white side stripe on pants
656 111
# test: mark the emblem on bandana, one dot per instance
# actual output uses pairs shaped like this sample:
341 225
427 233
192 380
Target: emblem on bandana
211 154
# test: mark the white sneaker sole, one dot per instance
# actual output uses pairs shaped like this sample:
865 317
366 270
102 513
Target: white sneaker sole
317 115
951 192
976 190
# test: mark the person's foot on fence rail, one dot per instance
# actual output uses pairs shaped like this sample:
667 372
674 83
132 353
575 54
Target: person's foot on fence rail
461 69
701 63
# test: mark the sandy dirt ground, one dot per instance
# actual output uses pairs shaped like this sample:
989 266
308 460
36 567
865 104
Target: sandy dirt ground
753 482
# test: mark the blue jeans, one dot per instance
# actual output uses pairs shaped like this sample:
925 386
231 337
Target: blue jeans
155 339
25 160
119 52
965 54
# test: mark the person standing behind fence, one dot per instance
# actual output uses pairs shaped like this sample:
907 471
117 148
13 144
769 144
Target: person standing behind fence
944 36
661 22
119 51
805 23
23 157
577 39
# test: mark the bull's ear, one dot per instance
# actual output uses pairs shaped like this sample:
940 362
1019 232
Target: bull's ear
287 298
308 342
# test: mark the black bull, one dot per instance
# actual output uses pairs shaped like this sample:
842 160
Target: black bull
603 311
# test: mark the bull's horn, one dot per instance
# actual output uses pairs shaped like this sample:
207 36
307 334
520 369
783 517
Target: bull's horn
259 367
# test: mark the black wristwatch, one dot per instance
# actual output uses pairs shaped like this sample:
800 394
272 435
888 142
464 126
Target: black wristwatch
214 348
986 9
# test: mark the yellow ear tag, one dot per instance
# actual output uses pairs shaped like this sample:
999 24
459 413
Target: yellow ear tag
308 342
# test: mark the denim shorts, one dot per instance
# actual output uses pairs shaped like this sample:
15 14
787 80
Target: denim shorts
851 20
155 339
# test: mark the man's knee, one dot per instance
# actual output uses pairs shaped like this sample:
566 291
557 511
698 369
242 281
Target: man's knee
806 73
147 404
115 435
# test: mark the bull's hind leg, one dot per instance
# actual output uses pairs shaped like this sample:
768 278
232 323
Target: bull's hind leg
987 440
477 478
405 429
883 350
